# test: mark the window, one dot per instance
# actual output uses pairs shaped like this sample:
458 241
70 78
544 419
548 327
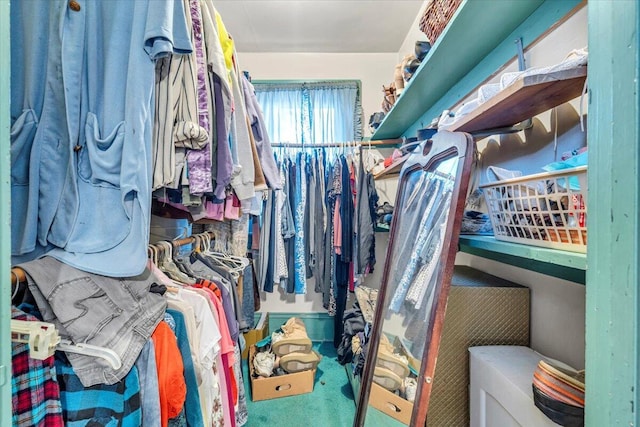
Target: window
311 113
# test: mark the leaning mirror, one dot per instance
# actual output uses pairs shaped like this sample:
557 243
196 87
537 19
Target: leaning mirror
402 348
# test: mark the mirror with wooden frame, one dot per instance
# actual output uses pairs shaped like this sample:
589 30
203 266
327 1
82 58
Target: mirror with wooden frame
403 346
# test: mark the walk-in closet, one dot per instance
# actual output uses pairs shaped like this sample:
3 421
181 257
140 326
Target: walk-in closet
227 213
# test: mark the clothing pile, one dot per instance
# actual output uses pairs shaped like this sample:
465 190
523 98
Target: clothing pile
175 328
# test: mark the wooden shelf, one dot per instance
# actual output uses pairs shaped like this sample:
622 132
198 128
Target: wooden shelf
393 169
566 265
524 99
474 31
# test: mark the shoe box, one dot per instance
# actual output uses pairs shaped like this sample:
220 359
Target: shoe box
260 332
388 402
279 386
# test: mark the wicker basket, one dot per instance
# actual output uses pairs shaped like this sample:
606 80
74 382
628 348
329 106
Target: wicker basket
436 16
546 209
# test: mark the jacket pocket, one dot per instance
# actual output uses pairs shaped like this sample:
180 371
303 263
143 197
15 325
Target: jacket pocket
88 311
100 160
23 131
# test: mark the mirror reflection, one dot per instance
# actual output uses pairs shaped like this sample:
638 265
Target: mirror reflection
412 280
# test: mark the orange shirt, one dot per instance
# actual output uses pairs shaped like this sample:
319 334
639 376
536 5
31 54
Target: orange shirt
171 384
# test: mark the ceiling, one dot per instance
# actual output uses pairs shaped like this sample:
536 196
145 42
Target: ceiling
356 26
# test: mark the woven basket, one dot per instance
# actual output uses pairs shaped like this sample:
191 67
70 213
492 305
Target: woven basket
436 16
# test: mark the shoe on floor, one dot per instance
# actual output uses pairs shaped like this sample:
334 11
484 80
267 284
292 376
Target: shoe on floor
390 360
294 338
297 362
263 363
386 378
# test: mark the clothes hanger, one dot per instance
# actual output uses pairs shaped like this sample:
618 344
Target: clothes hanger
15 284
43 340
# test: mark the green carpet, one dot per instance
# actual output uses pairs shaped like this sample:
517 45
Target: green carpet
330 404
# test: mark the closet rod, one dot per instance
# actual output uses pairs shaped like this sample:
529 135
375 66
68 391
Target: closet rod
190 240
18 275
381 142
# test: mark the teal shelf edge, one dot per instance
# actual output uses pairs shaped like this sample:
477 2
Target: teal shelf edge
566 265
475 30
5 214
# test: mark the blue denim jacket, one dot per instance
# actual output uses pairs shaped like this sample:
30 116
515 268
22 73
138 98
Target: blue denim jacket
82 108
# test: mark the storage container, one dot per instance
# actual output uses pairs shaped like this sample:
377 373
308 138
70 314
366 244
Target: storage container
546 209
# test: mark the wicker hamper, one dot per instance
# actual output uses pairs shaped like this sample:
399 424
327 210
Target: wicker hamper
436 16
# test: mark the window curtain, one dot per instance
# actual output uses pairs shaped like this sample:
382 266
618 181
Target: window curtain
311 113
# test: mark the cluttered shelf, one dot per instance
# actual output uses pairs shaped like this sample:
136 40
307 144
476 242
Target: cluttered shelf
525 98
392 170
567 265
470 42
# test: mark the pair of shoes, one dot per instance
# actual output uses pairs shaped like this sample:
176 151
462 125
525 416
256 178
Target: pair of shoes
297 362
391 368
293 347
386 378
292 337
387 358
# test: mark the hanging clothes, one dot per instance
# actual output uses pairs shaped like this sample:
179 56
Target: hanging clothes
105 115
35 392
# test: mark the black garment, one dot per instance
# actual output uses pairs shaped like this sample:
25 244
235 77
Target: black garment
274 228
307 215
367 197
290 244
346 213
344 260
342 289
353 323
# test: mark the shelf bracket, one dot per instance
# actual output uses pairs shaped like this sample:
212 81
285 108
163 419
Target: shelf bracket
527 124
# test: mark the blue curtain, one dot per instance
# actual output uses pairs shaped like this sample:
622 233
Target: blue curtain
311 113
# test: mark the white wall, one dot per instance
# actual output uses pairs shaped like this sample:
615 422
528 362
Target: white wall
372 69
557 306
414 34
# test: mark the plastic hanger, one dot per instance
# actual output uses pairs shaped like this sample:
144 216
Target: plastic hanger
43 340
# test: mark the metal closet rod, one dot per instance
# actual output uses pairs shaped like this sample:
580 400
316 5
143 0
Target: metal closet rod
18 275
380 142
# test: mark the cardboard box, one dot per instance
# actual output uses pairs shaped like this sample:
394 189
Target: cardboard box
390 403
254 335
280 386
